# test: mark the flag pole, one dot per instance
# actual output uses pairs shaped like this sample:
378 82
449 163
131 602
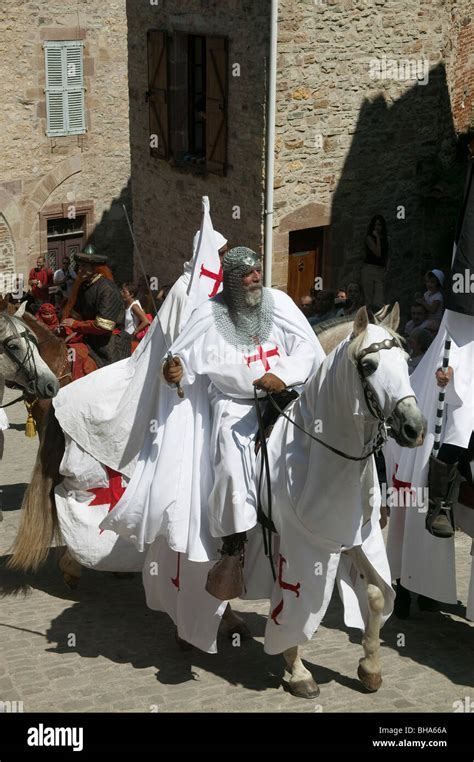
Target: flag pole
169 355
441 399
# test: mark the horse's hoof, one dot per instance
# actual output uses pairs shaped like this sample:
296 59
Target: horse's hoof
370 680
183 645
71 581
306 689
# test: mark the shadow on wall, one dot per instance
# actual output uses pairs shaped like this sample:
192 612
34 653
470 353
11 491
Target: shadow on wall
404 162
111 236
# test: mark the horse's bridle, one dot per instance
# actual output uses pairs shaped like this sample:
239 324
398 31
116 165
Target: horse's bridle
13 354
369 394
371 400
382 433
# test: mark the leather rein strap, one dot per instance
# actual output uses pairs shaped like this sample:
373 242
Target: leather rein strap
373 405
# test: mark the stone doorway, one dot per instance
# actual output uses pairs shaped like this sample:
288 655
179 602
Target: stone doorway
64 237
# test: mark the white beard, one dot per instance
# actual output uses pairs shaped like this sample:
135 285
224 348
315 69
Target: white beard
253 296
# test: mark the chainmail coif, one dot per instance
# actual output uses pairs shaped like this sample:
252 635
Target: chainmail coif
241 325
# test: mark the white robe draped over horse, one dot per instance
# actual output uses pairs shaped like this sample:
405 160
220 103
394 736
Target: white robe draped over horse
106 415
174 481
324 504
424 563
172 488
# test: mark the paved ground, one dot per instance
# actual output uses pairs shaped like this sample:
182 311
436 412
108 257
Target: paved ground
101 649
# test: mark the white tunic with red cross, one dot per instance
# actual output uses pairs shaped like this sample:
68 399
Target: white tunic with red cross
288 354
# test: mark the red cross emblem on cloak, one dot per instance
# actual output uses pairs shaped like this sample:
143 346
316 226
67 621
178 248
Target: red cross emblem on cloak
217 277
262 356
111 494
399 485
175 580
284 586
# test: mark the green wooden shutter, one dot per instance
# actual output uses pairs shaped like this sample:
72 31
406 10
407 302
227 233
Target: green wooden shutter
157 44
55 122
216 104
74 80
65 113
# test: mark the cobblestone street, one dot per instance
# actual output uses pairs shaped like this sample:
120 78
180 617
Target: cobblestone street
101 649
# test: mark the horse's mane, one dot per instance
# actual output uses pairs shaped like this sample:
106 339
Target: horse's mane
331 323
355 345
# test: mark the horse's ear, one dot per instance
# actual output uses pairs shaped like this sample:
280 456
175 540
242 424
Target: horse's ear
393 319
382 313
361 321
21 309
371 315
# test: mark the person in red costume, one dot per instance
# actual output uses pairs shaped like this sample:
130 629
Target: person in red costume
40 278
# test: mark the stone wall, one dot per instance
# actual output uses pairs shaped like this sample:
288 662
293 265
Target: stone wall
166 199
460 49
38 171
350 145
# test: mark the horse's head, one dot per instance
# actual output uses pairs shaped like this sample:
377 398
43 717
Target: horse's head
377 353
20 361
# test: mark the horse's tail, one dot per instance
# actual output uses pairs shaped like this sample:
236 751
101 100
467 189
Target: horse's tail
39 526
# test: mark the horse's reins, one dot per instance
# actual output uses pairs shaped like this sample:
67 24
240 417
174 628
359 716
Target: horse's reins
374 409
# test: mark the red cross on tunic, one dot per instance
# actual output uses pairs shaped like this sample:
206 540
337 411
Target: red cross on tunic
262 356
217 277
284 586
111 494
175 580
398 484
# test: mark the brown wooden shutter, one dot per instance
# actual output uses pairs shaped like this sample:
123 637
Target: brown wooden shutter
157 94
216 104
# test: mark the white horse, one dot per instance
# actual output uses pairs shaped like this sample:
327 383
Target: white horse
326 502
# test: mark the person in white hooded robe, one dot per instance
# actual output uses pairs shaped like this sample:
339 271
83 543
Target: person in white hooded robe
423 563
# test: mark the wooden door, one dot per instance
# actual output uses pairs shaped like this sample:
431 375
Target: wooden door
73 246
303 267
55 254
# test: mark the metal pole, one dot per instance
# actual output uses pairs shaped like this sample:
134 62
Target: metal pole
270 147
441 400
169 355
139 257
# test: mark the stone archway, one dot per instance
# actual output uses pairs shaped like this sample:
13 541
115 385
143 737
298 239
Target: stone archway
38 197
10 227
7 256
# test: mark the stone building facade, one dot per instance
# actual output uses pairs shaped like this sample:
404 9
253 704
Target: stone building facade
356 133
58 191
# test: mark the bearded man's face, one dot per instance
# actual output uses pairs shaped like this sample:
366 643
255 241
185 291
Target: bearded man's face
252 287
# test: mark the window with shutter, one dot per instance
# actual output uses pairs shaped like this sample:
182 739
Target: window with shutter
216 104
157 95
65 112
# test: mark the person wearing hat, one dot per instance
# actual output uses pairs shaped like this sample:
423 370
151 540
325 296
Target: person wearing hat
102 311
432 299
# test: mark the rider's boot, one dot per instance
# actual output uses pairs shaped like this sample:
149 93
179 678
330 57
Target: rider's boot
226 578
